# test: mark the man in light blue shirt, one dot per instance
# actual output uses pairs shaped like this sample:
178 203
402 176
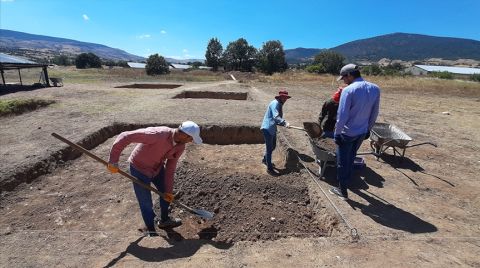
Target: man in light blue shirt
273 117
357 112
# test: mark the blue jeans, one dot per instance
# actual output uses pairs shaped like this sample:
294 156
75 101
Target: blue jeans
327 134
144 196
346 152
270 144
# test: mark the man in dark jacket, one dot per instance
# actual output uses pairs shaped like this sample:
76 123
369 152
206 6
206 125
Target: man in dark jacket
329 111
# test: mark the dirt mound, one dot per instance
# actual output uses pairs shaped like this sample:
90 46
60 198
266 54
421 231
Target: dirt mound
151 86
212 95
247 207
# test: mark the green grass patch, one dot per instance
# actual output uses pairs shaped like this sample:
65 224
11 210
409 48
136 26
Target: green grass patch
19 106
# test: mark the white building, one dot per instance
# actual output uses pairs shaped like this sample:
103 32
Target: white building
426 69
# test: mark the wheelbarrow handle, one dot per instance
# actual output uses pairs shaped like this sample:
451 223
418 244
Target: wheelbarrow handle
423 143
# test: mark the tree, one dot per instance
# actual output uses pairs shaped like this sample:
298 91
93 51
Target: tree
271 58
61 60
330 60
88 60
156 65
213 55
196 64
122 63
239 56
373 69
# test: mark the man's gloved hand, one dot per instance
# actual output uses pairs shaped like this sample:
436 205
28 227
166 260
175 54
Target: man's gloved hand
367 135
168 197
287 125
112 167
338 139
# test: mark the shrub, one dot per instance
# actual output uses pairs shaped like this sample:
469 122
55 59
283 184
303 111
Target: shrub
315 68
475 77
373 69
442 75
61 60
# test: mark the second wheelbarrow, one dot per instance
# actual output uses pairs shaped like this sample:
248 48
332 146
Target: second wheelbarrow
384 136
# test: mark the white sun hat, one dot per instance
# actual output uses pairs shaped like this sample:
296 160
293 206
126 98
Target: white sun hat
192 130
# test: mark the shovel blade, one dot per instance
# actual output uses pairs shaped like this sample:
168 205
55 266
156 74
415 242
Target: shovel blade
203 213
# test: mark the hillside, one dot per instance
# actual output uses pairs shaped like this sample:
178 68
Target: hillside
398 46
404 46
40 46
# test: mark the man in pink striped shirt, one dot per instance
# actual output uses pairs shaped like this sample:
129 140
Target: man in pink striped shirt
154 160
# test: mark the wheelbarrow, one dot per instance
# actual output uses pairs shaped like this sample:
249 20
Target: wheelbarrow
323 156
384 136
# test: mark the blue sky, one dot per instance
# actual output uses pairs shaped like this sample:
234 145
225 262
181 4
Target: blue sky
182 28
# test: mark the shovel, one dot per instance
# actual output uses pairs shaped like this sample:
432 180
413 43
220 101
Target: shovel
198 212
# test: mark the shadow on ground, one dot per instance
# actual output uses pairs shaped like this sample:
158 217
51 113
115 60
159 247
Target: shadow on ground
8 89
361 179
404 163
180 247
391 216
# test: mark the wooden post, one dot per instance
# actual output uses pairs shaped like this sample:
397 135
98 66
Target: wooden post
3 77
46 75
20 75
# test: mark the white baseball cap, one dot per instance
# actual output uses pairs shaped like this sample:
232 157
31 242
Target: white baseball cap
192 130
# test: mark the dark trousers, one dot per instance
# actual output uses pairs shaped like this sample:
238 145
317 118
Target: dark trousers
346 153
144 196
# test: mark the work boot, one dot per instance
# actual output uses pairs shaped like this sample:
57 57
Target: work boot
169 223
150 232
272 172
336 191
265 162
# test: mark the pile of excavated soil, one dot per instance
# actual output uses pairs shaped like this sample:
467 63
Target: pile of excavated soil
326 144
249 204
247 207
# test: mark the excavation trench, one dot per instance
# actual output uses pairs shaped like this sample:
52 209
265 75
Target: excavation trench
212 95
225 175
150 86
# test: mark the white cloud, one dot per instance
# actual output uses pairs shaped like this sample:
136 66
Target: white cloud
142 36
163 31
85 17
7 0
185 50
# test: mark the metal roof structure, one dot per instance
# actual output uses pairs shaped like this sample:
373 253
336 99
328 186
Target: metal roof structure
180 66
453 70
136 65
9 62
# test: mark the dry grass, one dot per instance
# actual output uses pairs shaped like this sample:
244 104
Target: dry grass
420 85
88 76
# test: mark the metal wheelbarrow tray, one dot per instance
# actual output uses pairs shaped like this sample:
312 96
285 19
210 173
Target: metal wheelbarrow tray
323 156
384 136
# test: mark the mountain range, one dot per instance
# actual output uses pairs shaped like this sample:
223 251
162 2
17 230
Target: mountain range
395 46
39 46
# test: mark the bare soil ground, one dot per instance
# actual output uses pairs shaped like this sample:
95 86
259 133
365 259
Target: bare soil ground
422 211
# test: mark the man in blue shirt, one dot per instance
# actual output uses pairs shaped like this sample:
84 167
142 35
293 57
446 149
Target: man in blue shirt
273 117
357 112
